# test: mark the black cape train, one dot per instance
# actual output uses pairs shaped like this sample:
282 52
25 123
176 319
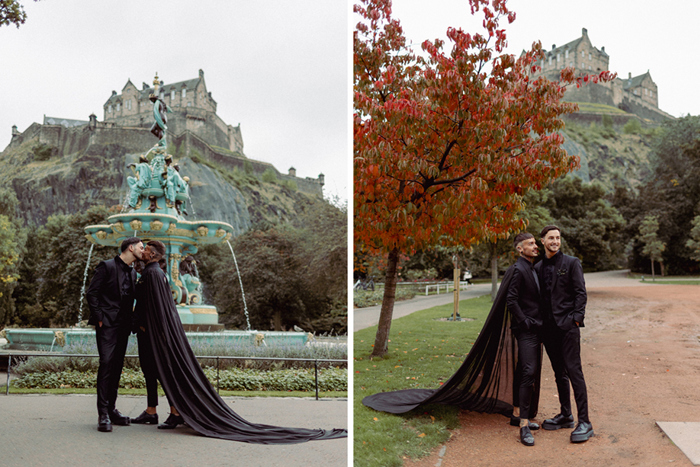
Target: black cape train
486 382
186 385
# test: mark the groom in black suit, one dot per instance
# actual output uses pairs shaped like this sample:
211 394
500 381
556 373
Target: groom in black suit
523 301
563 308
111 299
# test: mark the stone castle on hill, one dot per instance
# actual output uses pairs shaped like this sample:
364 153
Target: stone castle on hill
194 129
636 95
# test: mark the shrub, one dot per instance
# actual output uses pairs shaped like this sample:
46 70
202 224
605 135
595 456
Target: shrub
42 152
329 379
632 127
364 298
248 167
269 176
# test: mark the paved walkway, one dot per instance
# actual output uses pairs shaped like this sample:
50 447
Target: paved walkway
369 316
61 430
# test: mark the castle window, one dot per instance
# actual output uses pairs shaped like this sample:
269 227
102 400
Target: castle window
589 56
571 64
172 95
184 92
589 67
109 109
583 54
127 104
566 54
583 66
558 57
118 105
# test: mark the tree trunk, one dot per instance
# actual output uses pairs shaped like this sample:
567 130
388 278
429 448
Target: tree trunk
277 320
661 265
652 271
381 341
494 270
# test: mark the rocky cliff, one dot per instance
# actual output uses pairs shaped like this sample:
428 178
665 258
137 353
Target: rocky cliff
65 179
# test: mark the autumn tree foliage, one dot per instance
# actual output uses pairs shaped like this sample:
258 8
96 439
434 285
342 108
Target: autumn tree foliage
447 141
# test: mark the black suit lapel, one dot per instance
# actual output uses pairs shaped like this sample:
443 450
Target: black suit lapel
118 275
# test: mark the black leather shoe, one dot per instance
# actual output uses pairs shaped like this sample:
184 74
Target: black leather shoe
171 422
560 421
515 421
526 436
103 423
146 418
582 433
118 418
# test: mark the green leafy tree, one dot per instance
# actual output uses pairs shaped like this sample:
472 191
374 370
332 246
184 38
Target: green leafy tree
591 225
295 274
59 253
694 241
653 247
671 194
12 240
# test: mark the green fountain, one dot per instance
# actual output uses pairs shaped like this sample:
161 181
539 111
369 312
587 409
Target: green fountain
155 207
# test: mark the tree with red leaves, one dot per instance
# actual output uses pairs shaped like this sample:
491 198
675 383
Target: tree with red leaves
447 142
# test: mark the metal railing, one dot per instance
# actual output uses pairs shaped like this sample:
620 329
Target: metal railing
213 357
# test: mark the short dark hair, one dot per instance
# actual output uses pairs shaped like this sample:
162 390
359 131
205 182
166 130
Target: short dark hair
522 236
547 229
158 247
129 241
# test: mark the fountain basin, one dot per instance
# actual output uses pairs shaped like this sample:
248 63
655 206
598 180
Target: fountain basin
44 339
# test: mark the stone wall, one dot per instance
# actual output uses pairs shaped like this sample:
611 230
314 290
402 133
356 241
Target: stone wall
194 145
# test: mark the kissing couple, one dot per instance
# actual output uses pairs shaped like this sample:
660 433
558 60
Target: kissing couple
164 352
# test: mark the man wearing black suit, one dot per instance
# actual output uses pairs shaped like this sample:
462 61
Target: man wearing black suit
523 301
111 299
563 309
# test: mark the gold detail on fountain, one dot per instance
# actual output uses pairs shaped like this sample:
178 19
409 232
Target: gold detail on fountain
60 338
118 227
229 236
175 268
220 233
202 231
171 229
156 225
135 224
101 234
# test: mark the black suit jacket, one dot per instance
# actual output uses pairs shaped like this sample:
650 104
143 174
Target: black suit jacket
523 299
104 296
568 291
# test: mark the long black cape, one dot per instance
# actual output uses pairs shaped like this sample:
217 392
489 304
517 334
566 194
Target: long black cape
186 385
487 381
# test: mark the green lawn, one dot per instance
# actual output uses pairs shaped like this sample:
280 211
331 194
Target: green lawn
423 352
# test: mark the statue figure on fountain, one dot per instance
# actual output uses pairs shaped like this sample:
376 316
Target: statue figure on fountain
140 181
190 280
160 110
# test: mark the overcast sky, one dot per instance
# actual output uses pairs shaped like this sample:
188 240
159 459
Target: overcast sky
638 35
279 68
